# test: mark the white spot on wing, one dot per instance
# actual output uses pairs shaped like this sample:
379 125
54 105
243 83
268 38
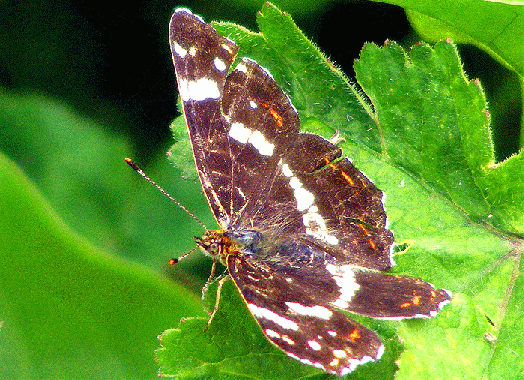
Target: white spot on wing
347 370
311 311
314 345
272 334
261 312
192 51
244 135
239 132
339 353
226 47
219 64
316 226
253 105
286 171
303 197
341 304
288 340
345 279
241 68
179 50
353 363
312 220
198 90
263 146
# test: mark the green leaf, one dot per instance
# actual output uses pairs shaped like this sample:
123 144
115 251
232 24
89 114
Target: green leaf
462 354
425 107
181 153
420 129
496 27
69 310
61 152
507 345
233 346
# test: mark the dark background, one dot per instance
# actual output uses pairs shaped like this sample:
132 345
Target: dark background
112 61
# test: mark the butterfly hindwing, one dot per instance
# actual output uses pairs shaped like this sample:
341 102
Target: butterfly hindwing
294 292
383 295
306 331
341 207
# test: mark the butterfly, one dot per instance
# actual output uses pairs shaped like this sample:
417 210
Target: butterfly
303 233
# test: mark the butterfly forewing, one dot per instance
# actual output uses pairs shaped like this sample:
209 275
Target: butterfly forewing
262 126
202 59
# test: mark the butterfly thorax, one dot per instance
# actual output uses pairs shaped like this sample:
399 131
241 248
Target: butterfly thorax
221 244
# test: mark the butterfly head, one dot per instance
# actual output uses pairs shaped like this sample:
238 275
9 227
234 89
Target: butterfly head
215 244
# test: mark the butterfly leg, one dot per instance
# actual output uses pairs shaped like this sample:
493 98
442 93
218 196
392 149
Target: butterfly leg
217 299
212 274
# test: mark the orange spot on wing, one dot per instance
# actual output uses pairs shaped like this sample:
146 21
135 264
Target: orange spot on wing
348 178
363 228
371 243
274 114
416 300
405 304
354 335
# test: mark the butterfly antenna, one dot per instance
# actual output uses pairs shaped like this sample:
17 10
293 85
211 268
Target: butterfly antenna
178 259
146 177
